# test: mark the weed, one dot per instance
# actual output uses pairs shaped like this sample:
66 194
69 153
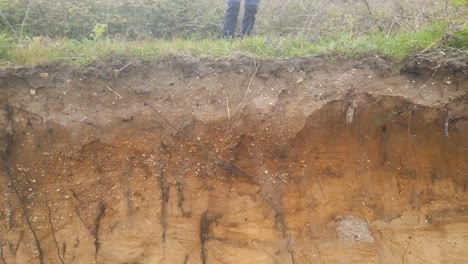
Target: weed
460 37
98 32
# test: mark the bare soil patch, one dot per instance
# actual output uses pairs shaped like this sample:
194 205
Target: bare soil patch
240 161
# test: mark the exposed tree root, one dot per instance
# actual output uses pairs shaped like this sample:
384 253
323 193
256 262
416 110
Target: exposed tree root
164 198
11 212
124 179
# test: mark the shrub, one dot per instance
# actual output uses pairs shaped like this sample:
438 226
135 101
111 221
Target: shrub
6 46
140 19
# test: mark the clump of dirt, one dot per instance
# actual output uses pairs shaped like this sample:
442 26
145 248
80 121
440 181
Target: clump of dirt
452 63
241 161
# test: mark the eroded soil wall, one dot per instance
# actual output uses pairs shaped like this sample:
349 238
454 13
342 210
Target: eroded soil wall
234 162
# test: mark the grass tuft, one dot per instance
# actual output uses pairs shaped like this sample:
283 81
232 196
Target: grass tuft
42 51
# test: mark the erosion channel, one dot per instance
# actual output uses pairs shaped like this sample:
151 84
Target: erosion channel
240 161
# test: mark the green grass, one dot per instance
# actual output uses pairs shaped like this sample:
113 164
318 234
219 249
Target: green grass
42 51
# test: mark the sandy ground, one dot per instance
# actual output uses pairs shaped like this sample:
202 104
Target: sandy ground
240 161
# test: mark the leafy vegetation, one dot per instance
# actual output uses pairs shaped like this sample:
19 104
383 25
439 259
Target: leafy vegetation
89 32
6 46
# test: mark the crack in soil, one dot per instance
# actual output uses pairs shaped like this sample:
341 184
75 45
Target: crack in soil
14 249
52 227
234 169
97 225
6 167
181 199
206 220
64 249
289 248
1 253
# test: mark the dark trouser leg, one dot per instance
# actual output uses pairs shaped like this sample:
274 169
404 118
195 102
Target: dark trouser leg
249 19
230 19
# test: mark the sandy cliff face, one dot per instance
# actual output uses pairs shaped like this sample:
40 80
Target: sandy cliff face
300 161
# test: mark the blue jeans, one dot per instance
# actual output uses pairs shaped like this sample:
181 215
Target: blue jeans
247 2
232 12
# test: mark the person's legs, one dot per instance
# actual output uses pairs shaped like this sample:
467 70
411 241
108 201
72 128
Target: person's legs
230 19
252 2
250 10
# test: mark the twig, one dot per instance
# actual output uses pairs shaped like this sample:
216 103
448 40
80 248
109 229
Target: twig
289 249
410 138
164 199
401 26
52 227
370 14
391 27
407 248
68 58
446 7
248 89
398 7
411 143
110 89
416 18
43 16
153 108
227 106
232 168
320 185
24 19
11 27
159 114
430 45
236 114
107 19
128 64
446 125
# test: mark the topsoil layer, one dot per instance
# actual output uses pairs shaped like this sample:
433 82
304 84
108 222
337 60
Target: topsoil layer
240 161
